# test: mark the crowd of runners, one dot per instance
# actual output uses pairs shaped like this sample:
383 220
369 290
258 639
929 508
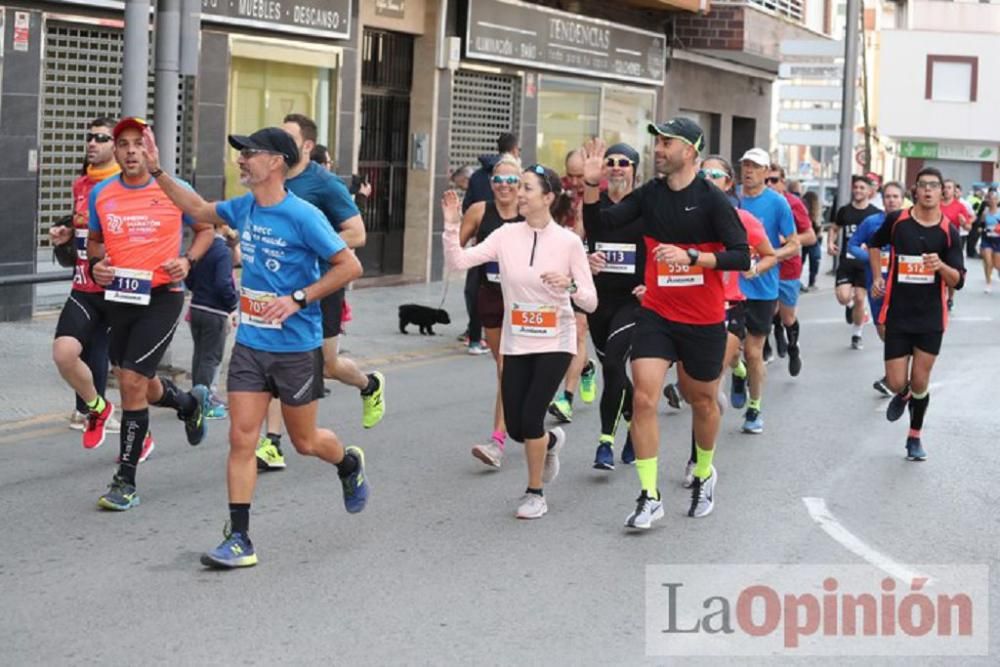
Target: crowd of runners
696 269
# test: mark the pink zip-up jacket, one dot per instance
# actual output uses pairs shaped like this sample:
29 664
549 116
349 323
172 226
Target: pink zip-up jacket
536 318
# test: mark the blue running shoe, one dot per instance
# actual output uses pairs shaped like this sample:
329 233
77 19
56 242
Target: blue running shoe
605 458
356 484
628 452
121 496
194 423
738 392
217 411
914 450
235 551
753 423
897 406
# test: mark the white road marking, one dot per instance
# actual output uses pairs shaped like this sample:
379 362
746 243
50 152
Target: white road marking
820 514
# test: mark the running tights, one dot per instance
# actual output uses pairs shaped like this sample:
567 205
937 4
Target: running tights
611 329
527 385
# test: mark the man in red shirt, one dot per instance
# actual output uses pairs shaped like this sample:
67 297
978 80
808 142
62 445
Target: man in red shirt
953 209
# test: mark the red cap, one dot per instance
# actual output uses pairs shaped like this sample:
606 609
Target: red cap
126 123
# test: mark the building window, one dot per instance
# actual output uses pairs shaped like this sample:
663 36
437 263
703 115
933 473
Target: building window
952 78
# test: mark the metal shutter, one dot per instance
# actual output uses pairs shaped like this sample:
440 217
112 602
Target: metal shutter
484 105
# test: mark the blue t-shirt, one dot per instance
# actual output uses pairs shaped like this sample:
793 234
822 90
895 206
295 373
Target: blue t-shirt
282 247
326 192
775 214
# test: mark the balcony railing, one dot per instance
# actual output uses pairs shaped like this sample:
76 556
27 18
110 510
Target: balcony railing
792 9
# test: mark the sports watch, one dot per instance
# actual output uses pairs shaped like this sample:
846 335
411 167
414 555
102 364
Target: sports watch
299 297
693 255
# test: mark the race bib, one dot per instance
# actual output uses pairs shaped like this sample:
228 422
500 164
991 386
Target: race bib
912 270
679 275
130 286
533 319
620 257
884 259
80 238
492 271
252 304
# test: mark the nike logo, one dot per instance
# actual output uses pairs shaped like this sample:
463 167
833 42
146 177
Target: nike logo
689 208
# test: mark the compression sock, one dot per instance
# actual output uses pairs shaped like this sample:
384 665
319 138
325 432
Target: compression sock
741 370
646 468
793 334
181 401
239 518
703 463
97 405
918 408
135 425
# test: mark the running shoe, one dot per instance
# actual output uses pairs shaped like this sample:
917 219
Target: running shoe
463 337
794 361
120 496
988 289
113 425
768 354
490 453
78 420
857 343
646 512
849 313
551 469
604 459
588 382
96 429
738 392
235 551
703 495
269 456
478 348
628 451
374 403
881 387
532 506
753 422
147 448
914 450
897 406
561 410
194 423
688 475
355 485
672 395
217 411
780 342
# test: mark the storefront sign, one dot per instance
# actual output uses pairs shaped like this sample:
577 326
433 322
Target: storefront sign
395 9
512 32
22 31
942 151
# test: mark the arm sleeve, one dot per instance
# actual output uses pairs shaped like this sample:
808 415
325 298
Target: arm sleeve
862 236
585 296
457 257
883 235
736 256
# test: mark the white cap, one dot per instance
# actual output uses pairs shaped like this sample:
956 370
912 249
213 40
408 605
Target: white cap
757 156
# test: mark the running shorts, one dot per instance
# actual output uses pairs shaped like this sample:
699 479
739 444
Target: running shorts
900 344
991 243
788 292
736 319
332 306
81 315
700 348
295 378
489 304
141 334
851 271
760 316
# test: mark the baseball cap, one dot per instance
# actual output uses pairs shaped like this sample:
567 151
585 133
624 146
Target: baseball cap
270 139
623 149
681 128
757 156
133 122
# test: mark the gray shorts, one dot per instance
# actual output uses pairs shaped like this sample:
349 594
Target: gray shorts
296 378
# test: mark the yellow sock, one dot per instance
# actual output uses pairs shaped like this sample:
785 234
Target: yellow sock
97 405
703 462
647 470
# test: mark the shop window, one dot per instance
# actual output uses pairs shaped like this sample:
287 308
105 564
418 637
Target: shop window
625 117
567 117
951 78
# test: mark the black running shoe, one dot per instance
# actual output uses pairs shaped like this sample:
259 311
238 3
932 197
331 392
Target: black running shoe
881 387
768 354
857 343
897 406
794 361
780 343
673 397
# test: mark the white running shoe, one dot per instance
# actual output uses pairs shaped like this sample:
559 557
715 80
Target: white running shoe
551 470
77 420
703 495
490 453
646 512
533 506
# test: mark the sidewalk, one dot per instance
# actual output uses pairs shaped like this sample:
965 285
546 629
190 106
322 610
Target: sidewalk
30 386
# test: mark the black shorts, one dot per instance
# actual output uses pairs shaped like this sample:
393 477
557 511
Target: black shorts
81 315
141 334
295 378
700 348
332 306
736 319
489 305
759 316
900 344
851 271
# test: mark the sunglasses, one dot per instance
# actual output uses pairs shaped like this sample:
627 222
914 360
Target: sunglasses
620 162
714 173
99 137
248 153
772 180
508 179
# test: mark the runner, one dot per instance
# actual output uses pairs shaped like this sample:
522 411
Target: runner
989 219
278 348
480 220
691 236
762 288
958 215
618 269
926 256
80 348
850 286
786 322
892 200
543 267
133 249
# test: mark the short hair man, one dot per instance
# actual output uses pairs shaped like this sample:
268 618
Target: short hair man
850 281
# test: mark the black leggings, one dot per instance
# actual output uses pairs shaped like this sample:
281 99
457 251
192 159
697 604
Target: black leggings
473 277
527 385
611 327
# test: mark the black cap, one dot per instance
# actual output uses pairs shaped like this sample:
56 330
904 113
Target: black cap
270 139
623 149
681 128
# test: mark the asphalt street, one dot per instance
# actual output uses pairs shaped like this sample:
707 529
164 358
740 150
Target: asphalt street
438 571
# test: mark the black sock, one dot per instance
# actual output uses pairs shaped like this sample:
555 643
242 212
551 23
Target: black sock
569 397
776 320
372 385
694 448
239 517
181 401
275 439
552 440
793 334
348 465
135 425
918 408
537 492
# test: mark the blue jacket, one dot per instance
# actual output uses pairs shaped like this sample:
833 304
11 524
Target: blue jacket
211 280
479 183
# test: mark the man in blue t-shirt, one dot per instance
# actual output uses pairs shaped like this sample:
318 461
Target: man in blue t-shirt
761 290
278 348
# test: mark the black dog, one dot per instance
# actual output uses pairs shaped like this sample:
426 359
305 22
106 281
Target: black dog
422 316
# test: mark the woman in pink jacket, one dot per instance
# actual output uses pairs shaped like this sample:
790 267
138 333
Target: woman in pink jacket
543 266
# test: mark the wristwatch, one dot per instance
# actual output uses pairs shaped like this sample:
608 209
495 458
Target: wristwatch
571 288
191 260
299 297
693 255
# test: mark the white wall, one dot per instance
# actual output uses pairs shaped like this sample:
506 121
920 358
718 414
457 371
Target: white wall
903 111
959 15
